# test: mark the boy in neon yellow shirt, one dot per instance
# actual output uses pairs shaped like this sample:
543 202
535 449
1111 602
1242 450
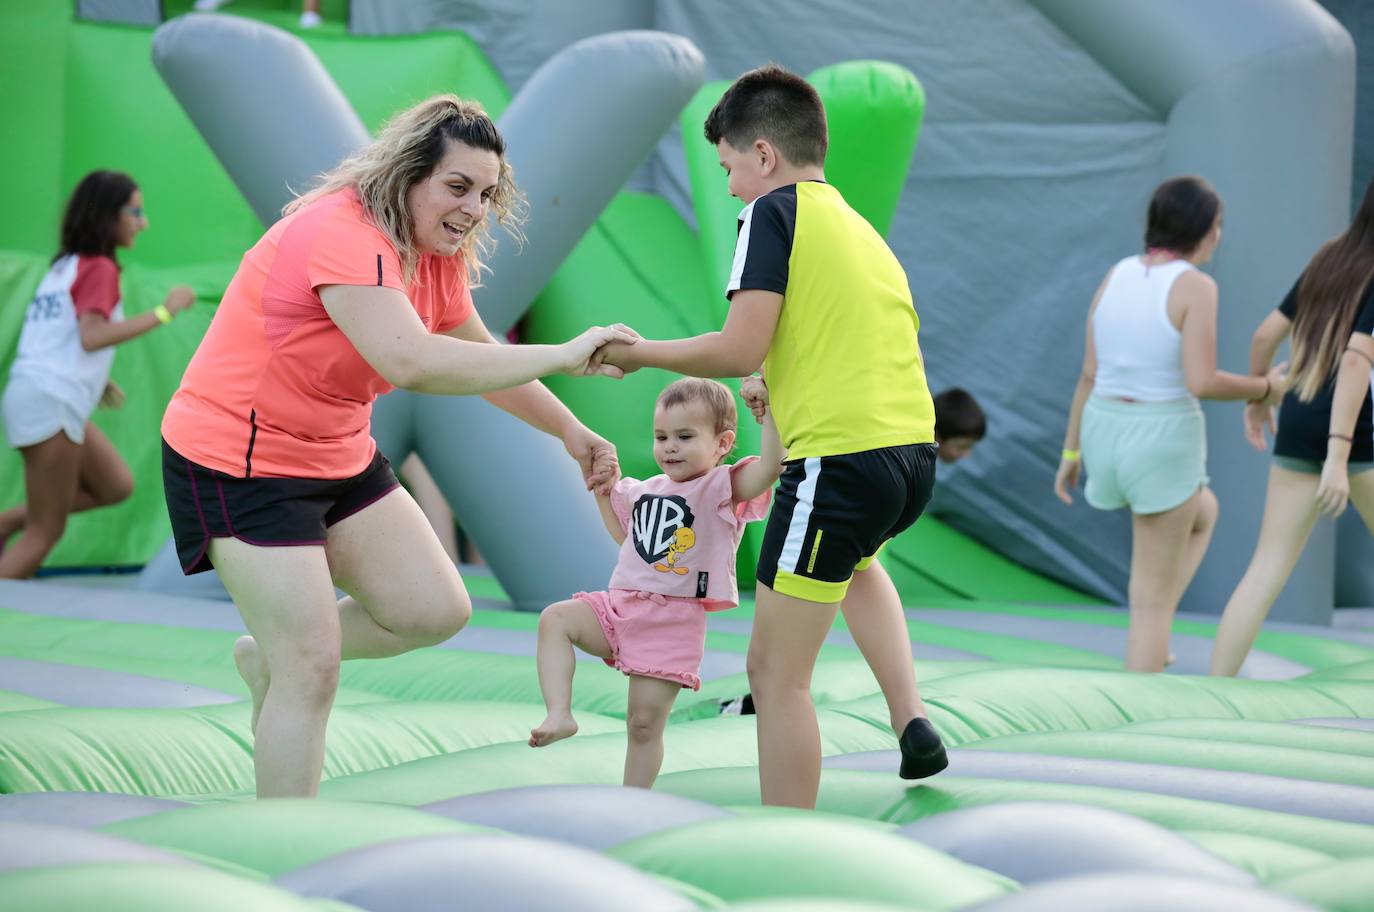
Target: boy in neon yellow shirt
819 300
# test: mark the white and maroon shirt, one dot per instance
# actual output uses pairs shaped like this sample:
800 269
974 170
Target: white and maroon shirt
50 353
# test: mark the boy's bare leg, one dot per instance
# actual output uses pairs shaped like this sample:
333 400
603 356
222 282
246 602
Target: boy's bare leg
787 637
873 613
562 626
651 699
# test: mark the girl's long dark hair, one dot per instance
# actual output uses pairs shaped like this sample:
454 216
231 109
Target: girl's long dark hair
1329 296
88 225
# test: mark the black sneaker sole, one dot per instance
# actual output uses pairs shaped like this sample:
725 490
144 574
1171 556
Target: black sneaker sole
924 765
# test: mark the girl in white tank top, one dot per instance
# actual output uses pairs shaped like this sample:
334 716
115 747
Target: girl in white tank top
1139 350
1149 355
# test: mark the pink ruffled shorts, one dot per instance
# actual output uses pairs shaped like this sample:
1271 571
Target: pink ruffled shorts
652 635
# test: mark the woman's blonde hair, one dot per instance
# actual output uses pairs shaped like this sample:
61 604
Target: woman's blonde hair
407 151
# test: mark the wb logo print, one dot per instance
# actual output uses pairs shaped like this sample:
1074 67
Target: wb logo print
661 526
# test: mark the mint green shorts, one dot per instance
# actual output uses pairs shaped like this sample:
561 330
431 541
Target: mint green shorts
1149 456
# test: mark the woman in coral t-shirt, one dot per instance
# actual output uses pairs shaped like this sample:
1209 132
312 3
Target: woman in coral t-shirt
270 470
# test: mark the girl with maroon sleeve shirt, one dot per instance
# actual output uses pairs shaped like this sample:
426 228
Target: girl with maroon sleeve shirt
62 371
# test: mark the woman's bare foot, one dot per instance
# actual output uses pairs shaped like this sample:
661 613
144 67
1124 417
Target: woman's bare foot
553 728
253 669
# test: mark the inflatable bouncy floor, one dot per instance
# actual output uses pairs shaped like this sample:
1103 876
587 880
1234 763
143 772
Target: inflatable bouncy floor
126 773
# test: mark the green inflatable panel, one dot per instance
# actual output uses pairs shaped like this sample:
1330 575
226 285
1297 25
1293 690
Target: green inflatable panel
166 753
1005 701
877 796
874 111
200 657
26 633
587 759
1171 750
820 905
793 856
1354 671
453 674
18 702
1014 650
145 888
837 679
1342 742
273 837
1341 886
591 760
207 752
1267 859
998 574
33 54
930 558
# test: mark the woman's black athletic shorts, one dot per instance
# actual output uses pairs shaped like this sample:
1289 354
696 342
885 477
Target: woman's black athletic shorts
204 503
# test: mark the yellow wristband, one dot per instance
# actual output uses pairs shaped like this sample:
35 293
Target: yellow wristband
1069 455
162 313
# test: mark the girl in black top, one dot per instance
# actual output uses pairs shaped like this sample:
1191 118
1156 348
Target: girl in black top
1322 452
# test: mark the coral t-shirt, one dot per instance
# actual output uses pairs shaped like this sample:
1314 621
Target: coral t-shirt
681 537
276 389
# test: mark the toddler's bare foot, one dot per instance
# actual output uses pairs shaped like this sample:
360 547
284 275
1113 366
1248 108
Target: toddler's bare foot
253 669
553 728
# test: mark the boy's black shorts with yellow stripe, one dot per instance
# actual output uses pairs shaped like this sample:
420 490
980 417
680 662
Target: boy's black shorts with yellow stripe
831 514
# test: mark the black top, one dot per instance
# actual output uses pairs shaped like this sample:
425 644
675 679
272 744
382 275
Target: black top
1304 426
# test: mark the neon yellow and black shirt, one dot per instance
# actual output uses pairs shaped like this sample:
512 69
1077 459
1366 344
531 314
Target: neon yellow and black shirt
844 371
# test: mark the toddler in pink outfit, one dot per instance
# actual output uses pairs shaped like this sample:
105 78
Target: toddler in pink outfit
678 534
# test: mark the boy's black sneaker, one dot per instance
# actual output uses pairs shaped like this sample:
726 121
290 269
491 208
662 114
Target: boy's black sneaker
923 753
739 706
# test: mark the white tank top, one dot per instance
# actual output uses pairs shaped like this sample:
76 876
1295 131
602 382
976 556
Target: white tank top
1139 352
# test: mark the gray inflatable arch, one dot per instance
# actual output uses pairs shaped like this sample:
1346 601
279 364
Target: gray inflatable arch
275 119
1264 107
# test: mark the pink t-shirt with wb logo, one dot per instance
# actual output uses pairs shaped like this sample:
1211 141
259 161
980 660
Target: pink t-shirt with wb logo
681 537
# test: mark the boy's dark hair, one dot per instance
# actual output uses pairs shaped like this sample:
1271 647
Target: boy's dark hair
957 414
1182 211
88 225
774 104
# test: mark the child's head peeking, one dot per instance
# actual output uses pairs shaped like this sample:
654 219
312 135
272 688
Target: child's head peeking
768 124
959 424
694 427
